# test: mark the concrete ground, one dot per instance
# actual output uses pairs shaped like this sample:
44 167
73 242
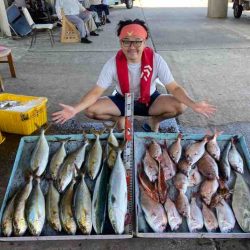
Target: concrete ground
209 57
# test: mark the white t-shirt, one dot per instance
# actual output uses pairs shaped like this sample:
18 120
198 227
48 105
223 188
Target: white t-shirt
108 75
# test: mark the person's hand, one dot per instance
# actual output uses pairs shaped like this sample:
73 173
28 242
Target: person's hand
204 108
65 114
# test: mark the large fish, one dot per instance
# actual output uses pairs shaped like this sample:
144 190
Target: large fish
57 160
195 220
235 158
225 168
194 177
7 219
168 166
208 167
210 221
162 186
100 197
208 189
150 167
154 212
94 158
176 149
181 182
83 213
111 153
19 221
52 207
154 150
241 203
212 146
70 166
117 196
195 151
40 156
174 218
66 211
182 204
35 210
225 216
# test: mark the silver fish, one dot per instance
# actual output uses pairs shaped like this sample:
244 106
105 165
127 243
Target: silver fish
150 167
174 218
7 219
154 212
208 189
94 158
117 196
99 202
194 177
241 203
35 210
68 169
83 213
235 158
195 220
66 211
19 221
182 204
57 160
195 151
209 217
212 146
225 168
168 166
176 149
52 207
225 216
40 156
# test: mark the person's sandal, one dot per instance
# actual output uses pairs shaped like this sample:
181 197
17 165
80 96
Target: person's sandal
147 128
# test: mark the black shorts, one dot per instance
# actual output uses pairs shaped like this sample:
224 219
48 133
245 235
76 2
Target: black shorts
140 109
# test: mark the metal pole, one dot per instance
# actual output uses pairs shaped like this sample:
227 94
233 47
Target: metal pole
4 25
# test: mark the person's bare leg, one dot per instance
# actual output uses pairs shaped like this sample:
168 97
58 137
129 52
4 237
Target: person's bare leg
165 106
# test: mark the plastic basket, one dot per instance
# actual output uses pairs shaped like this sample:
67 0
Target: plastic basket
25 119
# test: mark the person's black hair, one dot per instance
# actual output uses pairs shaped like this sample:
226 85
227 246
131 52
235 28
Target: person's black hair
124 23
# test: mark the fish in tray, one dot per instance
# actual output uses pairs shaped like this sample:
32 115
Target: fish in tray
212 146
7 219
82 201
195 151
184 167
154 212
182 204
150 167
174 218
19 221
118 194
225 216
52 207
208 189
35 210
210 220
241 203
195 220
57 160
175 149
9 104
208 167
154 150
224 165
181 182
94 160
168 166
194 177
235 158
100 196
40 156
70 166
66 211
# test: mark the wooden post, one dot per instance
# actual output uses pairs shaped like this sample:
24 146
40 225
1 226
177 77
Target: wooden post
4 25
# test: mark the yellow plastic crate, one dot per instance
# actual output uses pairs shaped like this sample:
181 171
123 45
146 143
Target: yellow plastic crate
24 121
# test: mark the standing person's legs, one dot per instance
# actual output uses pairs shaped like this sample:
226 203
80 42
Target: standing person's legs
79 23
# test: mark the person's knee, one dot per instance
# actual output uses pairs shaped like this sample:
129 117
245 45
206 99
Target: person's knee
90 112
180 108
